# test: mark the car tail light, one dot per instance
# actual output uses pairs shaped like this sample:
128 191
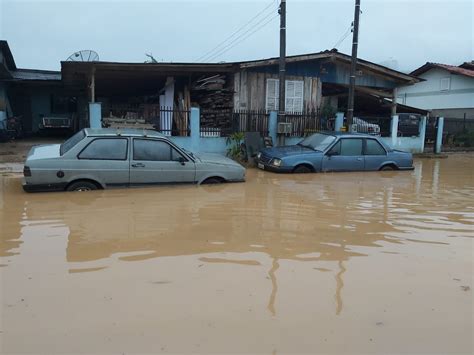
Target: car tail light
26 171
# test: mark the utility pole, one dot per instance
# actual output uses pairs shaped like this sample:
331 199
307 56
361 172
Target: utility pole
282 61
352 79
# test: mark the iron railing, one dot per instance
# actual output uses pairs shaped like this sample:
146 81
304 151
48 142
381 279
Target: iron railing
224 122
303 123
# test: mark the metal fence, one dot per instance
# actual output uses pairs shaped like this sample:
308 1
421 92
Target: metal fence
303 123
224 122
167 120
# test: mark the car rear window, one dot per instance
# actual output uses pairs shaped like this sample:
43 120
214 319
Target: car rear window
71 142
374 148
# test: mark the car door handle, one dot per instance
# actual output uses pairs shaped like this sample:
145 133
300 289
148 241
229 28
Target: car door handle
360 159
138 165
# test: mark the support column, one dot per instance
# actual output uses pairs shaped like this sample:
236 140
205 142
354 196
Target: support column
439 135
195 128
273 126
339 122
394 102
95 115
93 85
394 130
422 133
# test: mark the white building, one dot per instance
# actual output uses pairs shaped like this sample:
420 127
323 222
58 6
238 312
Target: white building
446 90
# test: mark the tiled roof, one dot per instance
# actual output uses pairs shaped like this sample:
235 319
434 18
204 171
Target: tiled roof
460 70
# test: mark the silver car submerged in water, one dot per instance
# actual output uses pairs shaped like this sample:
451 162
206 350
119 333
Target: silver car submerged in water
99 158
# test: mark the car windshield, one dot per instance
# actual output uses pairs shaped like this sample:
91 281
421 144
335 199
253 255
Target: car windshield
71 142
317 141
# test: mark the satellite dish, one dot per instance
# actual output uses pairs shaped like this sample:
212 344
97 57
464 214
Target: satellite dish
83 56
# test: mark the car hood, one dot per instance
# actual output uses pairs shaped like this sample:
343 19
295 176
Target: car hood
46 151
287 150
211 158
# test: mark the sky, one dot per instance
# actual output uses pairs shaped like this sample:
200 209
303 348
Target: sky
403 34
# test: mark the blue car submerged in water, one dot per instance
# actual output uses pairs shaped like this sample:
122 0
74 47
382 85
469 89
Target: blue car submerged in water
334 151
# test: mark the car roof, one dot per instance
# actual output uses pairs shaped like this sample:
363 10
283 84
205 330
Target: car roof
128 132
347 134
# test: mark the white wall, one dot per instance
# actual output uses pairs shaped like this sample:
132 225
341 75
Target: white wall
428 95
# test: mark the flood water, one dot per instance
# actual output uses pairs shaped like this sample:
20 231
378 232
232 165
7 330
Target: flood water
317 263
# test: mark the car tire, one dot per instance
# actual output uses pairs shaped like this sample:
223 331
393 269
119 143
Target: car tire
302 169
212 180
387 168
82 186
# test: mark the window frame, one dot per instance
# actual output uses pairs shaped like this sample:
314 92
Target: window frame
446 79
277 94
102 138
171 146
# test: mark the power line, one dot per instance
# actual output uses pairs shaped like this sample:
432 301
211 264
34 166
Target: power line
343 37
236 32
225 50
241 37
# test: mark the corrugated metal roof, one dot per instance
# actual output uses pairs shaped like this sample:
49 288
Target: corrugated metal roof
32 74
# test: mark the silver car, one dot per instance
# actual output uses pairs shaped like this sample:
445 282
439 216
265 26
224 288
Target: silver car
98 158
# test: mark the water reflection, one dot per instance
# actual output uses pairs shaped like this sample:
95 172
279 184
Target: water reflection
313 218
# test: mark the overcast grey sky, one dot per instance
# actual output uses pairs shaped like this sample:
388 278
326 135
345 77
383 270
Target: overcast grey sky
42 33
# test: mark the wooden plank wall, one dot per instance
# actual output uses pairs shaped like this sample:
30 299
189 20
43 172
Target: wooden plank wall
250 90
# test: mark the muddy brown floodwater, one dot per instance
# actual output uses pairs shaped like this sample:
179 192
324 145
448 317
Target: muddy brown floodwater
319 263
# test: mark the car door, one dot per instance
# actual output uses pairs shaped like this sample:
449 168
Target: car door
345 155
104 160
375 154
156 161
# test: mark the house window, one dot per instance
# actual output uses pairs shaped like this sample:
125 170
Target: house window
293 95
445 84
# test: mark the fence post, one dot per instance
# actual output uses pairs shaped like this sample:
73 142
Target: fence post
339 122
195 128
422 133
439 135
394 130
95 115
273 126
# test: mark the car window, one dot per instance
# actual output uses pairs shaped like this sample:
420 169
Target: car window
336 149
106 149
351 147
71 142
373 147
154 150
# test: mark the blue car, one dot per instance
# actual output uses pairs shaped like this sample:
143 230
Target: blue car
334 151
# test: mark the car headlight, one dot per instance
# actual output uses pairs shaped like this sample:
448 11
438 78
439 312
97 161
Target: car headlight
276 162
259 155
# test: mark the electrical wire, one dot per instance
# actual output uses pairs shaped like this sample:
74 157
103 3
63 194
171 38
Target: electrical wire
239 39
218 48
343 37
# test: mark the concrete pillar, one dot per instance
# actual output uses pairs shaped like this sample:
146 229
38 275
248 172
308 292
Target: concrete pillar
394 130
195 128
273 126
439 135
95 115
422 133
339 122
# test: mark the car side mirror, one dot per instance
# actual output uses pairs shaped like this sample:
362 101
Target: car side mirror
332 153
181 160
